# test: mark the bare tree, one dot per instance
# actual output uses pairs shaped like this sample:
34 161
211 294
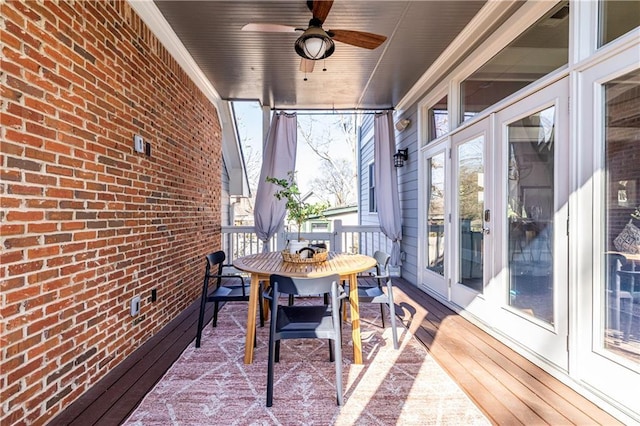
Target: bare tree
253 164
339 189
337 185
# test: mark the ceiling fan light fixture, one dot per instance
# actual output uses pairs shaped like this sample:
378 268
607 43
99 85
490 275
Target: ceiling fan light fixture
314 44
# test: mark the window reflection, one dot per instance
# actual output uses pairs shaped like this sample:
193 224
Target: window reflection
470 207
617 18
438 119
530 212
541 49
435 218
621 257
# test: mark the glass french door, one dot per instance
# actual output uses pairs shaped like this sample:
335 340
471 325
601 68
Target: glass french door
532 138
608 198
471 216
435 226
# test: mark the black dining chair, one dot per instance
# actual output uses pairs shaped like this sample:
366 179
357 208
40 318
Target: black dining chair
368 293
229 287
319 321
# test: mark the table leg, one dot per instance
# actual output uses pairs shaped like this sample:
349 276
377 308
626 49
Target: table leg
265 302
251 319
355 319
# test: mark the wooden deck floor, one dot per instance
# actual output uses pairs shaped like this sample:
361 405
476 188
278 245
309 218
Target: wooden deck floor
509 389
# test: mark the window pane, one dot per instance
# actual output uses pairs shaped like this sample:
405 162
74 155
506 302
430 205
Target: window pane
541 49
621 257
471 206
435 218
438 117
373 207
617 18
530 213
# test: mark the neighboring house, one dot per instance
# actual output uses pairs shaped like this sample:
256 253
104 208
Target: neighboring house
235 183
511 209
348 215
242 212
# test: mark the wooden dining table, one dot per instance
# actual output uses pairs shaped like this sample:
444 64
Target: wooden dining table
262 265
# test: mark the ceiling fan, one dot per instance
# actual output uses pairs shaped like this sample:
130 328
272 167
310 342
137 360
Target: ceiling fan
315 43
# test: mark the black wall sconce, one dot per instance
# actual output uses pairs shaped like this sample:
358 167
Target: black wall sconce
400 157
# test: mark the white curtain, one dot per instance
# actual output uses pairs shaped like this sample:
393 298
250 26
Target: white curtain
278 158
386 183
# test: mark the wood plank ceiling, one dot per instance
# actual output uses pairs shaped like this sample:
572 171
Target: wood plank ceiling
259 66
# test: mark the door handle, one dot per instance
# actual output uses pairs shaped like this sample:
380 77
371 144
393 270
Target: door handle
486 230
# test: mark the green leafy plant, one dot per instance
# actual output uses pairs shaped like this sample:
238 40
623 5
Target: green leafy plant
298 210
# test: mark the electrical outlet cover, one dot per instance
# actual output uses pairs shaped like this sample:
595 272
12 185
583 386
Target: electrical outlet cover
135 306
138 143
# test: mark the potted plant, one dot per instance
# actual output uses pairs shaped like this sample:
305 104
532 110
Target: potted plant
298 210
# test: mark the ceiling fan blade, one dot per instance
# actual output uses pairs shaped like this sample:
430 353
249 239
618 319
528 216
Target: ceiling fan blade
306 65
357 38
320 8
269 28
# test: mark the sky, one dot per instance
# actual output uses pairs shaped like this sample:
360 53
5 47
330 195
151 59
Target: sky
249 116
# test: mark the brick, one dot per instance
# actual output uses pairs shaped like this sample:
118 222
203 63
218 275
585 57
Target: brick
21 242
59 373
56 78
75 218
41 204
41 396
13 389
24 370
37 56
58 397
64 171
22 346
37 129
42 228
23 268
59 215
26 113
11 337
22 164
8 120
25 216
24 63
42 276
39 179
16 189
43 107
43 252
10 229
23 87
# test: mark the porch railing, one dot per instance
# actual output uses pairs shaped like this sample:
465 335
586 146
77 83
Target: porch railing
241 241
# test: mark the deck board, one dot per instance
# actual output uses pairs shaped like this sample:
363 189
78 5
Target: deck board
547 397
507 388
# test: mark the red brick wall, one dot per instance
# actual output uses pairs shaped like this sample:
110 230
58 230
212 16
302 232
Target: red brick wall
86 222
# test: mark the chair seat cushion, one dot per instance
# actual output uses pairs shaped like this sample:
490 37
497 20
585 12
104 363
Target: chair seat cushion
229 292
370 294
304 320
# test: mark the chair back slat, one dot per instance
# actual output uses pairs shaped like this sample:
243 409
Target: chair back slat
304 286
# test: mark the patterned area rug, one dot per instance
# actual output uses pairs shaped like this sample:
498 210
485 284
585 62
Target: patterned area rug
212 386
